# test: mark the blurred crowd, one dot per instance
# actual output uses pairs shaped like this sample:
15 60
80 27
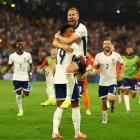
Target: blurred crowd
39 34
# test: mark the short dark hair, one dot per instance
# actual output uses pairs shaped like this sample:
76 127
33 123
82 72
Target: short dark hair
18 40
64 27
73 8
129 47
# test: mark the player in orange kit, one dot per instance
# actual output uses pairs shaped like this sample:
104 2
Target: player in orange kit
83 84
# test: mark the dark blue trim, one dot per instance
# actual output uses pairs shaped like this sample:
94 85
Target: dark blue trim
77 25
84 46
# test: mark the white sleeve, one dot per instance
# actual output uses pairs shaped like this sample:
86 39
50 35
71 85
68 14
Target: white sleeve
81 32
96 60
10 62
120 60
30 59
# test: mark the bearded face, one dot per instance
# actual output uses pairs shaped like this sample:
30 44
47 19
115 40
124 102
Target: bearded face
107 45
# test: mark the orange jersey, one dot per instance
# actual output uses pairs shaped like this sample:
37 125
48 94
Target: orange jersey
90 59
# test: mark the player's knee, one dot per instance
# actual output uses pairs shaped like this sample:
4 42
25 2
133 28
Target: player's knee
133 95
74 104
26 93
104 100
59 103
18 92
111 98
126 91
70 78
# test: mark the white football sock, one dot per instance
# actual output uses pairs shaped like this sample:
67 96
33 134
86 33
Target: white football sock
19 102
104 116
50 83
126 100
51 90
56 119
76 118
70 85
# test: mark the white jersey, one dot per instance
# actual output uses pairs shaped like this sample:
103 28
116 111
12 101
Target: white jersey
63 61
81 31
107 65
20 65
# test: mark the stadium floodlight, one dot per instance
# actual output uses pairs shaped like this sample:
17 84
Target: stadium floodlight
4 3
13 5
118 11
0 40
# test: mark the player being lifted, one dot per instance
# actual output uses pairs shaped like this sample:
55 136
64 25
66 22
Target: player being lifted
20 60
106 62
49 62
80 37
64 59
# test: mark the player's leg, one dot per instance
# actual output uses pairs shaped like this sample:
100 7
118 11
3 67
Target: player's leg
126 99
56 120
18 88
72 68
60 91
111 96
76 116
103 95
126 94
86 97
120 91
50 88
26 86
133 84
19 102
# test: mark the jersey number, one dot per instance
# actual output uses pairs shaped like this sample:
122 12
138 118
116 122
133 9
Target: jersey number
62 54
107 65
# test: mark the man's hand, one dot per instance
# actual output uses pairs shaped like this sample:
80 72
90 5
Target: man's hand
69 50
30 77
120 76
57 36
96 71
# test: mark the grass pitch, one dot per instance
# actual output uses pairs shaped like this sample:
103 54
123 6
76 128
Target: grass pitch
36 124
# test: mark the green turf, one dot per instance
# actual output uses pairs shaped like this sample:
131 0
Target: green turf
36 124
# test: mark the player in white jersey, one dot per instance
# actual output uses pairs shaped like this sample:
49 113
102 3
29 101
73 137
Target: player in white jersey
22 75
64 59
80 37
106 62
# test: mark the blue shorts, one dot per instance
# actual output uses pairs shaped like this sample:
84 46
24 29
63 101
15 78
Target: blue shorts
21 85
120 84
104 90
60 91
80 86
131 84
